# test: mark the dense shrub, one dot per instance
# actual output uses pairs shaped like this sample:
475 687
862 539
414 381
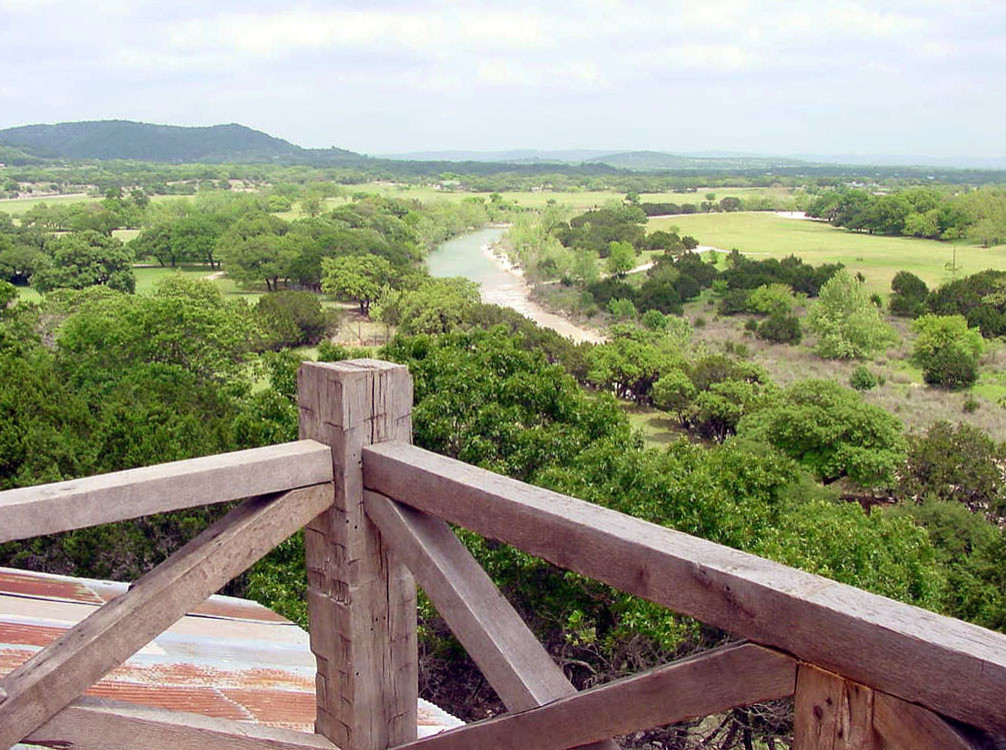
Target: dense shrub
733 302
292 318
909 295
862 379
780 328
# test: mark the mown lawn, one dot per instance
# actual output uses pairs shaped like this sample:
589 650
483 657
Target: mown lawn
878 258
148 276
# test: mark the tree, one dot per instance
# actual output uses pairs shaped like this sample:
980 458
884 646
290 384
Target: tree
19 260
621 259
356 277
623 309
947 350
780 328
261 257
847 323
190 239
292 318
434 306
185 323
83 259
674 392
771 298
834 433
909 295
956 463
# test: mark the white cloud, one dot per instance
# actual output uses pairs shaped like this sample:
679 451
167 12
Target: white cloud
289 32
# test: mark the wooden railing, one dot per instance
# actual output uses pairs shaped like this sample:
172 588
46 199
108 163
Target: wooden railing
866 672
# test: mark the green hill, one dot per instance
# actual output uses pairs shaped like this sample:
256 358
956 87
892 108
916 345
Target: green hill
122 139
646 161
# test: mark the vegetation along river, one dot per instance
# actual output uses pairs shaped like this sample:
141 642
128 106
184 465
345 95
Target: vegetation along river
470 256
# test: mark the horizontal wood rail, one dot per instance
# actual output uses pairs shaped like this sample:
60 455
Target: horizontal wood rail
33 511
704 684
949 666
116 725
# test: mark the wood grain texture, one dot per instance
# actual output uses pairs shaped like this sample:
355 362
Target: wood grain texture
63 670
361 603
78 503
517 666
832 713
906 726
96 724
705 684
951 667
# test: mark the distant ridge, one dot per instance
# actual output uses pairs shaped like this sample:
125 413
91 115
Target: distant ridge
123 139
645 161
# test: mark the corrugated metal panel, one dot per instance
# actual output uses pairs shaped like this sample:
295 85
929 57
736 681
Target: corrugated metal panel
231 658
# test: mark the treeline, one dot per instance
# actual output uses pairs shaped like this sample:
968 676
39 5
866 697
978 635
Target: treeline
72 245
23 172
975 215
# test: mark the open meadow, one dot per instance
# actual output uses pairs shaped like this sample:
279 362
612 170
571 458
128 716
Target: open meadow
580 200
878 258
18 206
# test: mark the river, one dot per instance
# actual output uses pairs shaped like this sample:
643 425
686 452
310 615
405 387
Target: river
470 256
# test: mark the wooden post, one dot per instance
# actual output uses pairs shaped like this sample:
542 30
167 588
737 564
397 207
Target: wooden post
361 604
832 713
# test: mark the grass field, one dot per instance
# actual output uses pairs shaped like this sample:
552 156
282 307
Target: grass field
580 200
147 276
878 258
17 206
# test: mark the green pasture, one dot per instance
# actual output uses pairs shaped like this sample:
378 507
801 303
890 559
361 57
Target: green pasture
18 206
577 199
878 258
148 276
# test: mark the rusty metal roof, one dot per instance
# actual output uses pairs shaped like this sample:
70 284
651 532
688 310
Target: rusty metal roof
230 658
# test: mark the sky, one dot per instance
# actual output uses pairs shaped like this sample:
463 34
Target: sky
756 76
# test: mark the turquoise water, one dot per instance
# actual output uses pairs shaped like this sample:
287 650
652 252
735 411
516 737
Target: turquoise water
463 256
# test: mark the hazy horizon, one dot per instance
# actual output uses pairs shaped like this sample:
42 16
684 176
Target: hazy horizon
744 76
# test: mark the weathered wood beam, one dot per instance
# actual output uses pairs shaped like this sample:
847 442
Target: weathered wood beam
704 684
361 603
832 713
908 652
96 724
517 666
64 669
906 726
78 503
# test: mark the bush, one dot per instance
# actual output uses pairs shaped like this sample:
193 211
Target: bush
292 318
622 308
654 320
862 379
687 287
733 302
771 298
780 328
700 322
909 295
947 350
951 368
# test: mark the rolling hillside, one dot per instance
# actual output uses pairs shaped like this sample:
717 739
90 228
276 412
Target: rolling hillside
122 139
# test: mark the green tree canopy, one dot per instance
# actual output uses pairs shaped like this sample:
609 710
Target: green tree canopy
832 431
83 259
845 320
356 277
947 350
